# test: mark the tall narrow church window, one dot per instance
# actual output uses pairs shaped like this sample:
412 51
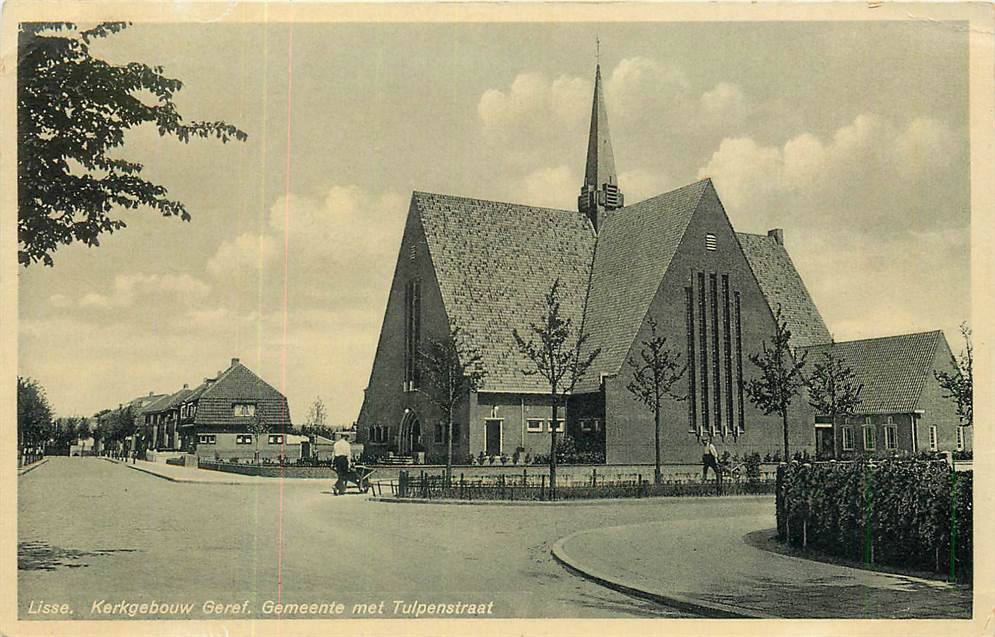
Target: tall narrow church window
703 352
739 363
714 297
412 333
727 351
692 389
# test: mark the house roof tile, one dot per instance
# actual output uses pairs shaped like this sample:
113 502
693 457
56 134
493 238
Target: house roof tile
893 369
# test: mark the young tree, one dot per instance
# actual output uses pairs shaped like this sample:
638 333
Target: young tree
832 389
653 377
72 111
555 354
780 375
317 415
257 428
34 414
959 384
451 369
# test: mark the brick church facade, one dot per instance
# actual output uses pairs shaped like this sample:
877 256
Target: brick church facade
484 266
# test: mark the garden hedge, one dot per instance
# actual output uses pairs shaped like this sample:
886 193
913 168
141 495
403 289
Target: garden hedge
911 513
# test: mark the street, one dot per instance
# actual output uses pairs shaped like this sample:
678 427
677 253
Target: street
102 539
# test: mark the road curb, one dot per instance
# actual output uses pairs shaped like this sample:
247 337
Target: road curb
712 610
576 502
179 480
31 467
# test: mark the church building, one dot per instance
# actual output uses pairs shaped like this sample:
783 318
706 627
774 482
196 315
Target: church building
485 266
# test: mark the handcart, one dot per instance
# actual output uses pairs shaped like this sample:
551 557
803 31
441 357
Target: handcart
358 475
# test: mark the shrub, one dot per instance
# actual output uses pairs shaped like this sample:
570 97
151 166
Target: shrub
751 465
901 512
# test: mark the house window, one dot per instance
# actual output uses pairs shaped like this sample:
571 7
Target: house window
440 434
711 243
276 439
847 438
206 439
891 437
243 409
933 443
534 425
869 436
559 425
585 425
243 439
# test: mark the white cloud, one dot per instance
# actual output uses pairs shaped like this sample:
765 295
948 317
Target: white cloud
131 288
551 187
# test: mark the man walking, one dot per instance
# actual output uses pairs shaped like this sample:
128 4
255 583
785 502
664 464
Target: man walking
710 459
341 454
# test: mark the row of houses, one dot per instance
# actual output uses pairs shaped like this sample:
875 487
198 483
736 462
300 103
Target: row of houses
233 415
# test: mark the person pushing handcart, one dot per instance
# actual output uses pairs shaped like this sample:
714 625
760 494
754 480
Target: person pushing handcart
346 471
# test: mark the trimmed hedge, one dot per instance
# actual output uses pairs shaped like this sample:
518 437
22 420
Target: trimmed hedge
916 514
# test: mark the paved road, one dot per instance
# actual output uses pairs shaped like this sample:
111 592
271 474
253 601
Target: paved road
91 530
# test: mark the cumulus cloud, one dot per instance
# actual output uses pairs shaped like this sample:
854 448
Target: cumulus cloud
876 217
131 288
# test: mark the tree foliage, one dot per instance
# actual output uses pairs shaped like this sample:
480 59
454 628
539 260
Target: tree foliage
450 370
317 415
555 354
958 385
654 375
780 375
73 111
34 413
832 388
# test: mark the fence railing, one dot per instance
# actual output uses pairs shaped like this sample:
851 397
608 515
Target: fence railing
536 487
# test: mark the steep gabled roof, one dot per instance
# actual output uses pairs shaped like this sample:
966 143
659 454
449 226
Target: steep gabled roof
494 263
165 402
634 250
893 369
239 384
783 286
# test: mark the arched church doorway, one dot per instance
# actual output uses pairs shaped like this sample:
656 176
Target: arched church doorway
409 434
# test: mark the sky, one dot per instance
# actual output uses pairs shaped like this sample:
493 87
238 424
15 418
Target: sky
852 137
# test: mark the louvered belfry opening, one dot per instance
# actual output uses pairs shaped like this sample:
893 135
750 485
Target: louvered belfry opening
715 355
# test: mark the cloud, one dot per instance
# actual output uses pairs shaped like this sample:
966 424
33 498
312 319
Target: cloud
128 289
876 217
555 187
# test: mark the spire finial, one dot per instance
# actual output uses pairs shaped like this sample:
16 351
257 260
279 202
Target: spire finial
597 49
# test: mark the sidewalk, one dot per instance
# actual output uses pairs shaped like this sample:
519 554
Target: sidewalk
176 473
704 566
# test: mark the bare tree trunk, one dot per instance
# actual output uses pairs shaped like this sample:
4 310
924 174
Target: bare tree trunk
552 452
784 418
657 478
449 449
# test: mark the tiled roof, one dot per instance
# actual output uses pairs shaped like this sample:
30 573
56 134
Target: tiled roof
893 369
494 263
164 403
175 399
634 250
239 384
782 285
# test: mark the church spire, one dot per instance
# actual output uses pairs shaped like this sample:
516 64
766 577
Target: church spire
600 193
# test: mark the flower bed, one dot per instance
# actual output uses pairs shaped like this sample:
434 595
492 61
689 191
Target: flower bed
909 513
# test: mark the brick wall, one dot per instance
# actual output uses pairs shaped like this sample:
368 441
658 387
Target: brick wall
630 433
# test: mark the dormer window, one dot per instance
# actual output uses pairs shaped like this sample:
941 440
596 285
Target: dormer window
243 409
711 243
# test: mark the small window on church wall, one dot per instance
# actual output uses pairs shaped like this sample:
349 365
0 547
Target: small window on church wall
711 243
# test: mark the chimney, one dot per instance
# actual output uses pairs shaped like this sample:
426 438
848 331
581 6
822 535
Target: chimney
151 394
186 386
234 362
778 234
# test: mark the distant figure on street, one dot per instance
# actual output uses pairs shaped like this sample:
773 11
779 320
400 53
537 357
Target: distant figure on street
709 458
341 453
